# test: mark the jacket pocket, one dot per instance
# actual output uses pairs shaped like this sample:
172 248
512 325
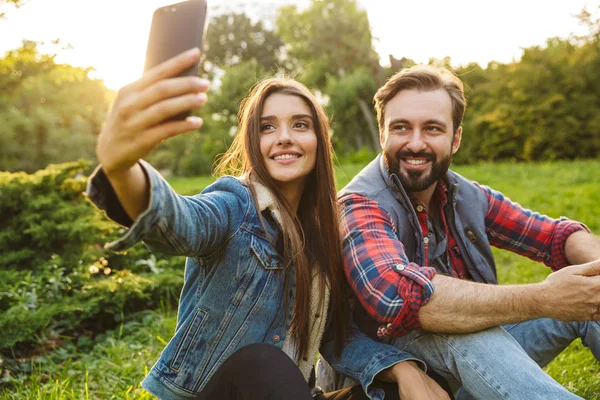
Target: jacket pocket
187 337
266 253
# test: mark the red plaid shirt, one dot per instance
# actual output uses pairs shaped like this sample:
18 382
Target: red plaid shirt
457 264
392 289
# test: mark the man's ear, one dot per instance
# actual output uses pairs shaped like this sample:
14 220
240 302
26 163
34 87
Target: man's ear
456 140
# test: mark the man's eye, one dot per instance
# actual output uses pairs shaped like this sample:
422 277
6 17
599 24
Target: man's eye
399 128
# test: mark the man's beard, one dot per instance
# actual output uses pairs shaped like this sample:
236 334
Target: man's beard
417 181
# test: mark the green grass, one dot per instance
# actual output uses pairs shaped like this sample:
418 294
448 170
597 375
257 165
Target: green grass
111 365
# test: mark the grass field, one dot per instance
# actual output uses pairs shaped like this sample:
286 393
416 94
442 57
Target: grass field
112 365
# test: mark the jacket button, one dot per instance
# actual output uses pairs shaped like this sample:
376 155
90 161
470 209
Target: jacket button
276 339
399 267
426 240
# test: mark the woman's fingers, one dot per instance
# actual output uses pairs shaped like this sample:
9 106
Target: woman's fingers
163 110
156 135
170 68
169 88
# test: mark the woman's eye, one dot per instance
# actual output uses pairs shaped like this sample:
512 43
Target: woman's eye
266 127
301 125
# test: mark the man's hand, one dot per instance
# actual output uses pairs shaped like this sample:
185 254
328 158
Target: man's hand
413 383
573 293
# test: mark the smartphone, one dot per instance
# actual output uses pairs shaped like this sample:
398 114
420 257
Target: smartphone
176 28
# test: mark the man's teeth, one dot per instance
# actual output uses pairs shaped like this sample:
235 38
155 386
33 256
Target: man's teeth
285 156
416 162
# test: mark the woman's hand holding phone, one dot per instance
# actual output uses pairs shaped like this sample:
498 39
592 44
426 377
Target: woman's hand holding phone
139 121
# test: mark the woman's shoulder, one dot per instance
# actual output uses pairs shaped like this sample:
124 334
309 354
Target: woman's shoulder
232 191
229 184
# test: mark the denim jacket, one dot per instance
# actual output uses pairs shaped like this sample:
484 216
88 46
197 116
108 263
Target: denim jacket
233 292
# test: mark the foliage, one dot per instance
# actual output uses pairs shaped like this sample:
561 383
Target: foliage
51 112
106 366
328 39
233 38
43 215
544 107
353 121
55 276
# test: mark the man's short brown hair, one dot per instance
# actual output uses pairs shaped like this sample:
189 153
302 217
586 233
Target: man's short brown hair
423 78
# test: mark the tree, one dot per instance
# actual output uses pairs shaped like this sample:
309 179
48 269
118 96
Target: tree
353 122
234 38
329 38
51 112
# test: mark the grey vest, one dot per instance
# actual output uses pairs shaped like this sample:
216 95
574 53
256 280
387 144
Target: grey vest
465 215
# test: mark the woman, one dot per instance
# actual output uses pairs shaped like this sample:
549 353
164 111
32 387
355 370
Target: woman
263 254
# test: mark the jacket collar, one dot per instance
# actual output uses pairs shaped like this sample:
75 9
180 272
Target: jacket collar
265 199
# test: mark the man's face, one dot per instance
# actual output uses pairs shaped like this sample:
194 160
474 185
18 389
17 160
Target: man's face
417 137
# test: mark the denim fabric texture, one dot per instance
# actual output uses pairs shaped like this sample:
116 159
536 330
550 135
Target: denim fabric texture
233 292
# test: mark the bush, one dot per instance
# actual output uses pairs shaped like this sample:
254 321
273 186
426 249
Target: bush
55 275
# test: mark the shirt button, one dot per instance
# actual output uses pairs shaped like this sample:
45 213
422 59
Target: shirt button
276 339
426 240
399 267
420 208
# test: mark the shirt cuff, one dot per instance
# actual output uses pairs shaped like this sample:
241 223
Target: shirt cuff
101 193
556 258
416 295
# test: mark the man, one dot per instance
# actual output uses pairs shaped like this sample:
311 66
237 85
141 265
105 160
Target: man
417 242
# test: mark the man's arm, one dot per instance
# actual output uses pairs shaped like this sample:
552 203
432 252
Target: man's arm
456 306
379 273
569 294
582 247
511 227
389 287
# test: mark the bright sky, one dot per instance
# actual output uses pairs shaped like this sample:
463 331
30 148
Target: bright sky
111 35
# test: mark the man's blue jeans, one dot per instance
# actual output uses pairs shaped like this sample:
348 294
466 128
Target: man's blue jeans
497 363
502 363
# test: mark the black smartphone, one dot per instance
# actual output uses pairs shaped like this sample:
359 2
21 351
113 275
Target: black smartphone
176 28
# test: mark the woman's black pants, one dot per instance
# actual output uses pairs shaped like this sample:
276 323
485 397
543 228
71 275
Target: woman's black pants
264 372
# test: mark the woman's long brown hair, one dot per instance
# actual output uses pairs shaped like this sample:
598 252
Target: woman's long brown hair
311 236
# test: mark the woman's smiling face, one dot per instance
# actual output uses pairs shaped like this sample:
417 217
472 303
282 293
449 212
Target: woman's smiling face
288 142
